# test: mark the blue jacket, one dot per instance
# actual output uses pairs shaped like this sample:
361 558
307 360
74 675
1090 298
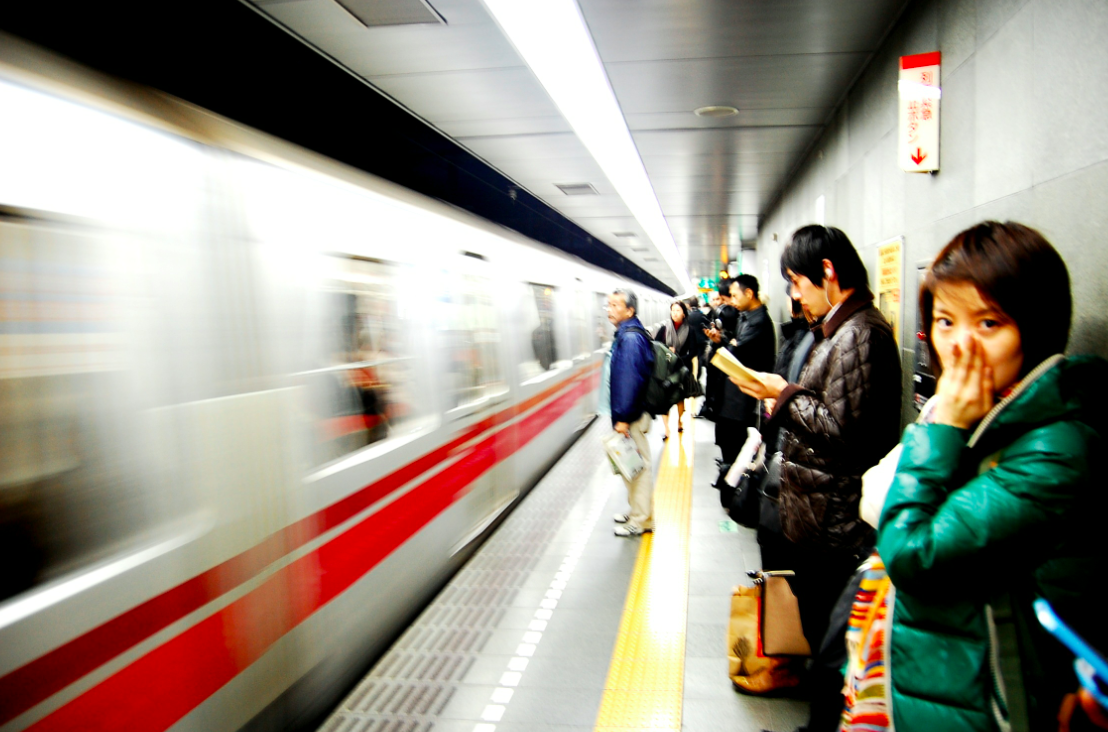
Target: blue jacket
632 362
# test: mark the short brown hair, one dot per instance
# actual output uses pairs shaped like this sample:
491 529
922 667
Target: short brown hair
1006 262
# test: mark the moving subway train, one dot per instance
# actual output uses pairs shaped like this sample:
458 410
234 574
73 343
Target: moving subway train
254 406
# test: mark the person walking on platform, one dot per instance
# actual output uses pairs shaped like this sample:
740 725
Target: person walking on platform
753 345
631 363
838 421
698 323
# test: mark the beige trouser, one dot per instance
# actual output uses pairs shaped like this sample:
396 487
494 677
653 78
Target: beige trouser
640 491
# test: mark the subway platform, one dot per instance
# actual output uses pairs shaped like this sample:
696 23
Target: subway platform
557 625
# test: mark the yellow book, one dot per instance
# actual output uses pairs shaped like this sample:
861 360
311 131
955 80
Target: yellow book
728 364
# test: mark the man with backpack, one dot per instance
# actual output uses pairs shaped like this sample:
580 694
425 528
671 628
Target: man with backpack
631 367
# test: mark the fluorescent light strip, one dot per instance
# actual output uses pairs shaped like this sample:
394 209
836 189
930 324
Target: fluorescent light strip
552 37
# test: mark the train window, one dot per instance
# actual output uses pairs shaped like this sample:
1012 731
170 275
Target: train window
603 328
366 391
540 354
584 339
472 336
73 485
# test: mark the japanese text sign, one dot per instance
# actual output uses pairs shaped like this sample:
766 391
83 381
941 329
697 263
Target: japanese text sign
918 131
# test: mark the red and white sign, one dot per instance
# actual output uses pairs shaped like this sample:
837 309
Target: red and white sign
918 132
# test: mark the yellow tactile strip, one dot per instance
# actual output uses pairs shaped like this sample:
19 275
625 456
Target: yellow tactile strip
646 678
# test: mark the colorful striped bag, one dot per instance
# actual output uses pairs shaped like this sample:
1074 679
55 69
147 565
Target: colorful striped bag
868 706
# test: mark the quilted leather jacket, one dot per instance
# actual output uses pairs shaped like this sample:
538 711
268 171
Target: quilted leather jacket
839 421
1017 509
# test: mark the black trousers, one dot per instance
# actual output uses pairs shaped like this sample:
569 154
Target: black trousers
730 436
821 577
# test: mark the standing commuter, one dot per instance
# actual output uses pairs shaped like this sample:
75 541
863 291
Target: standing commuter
713 394
631 363
1001 478
677 336
753 345
698 322
839 420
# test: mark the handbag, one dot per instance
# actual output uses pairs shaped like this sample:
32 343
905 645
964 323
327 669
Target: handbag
746 505
749 461
766 646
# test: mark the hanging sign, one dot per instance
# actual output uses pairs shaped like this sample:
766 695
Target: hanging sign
918 147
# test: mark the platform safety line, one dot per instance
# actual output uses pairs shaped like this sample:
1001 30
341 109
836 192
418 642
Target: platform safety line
646 677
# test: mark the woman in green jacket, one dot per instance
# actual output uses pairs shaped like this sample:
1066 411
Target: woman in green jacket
997 497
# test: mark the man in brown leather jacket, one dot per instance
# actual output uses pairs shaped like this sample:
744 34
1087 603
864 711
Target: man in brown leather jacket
839 420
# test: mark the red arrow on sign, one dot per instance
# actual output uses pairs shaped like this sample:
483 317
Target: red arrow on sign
918 157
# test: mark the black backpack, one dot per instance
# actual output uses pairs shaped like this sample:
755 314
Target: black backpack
668 380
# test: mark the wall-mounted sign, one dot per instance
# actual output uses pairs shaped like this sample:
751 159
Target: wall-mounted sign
918 146
888 282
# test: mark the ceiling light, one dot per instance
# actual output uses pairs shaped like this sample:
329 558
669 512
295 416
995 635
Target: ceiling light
552 37
715 111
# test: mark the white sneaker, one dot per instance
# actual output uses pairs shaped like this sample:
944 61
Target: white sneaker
621 518
631 530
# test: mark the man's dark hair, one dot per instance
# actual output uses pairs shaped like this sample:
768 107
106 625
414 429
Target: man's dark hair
1005 262
724 288
810 245
748 282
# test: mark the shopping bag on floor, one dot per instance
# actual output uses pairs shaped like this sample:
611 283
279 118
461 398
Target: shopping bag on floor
766 647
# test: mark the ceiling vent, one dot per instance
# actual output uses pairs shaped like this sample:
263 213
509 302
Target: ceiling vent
577 189
371 13
624 234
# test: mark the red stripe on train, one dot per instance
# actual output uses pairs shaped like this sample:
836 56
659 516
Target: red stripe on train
167 683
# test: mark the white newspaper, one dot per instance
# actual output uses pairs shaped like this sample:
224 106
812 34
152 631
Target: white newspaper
625 456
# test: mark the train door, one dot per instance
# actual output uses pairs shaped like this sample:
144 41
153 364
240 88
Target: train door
476 390
584 342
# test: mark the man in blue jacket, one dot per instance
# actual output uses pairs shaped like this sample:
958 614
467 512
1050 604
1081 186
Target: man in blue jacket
631 364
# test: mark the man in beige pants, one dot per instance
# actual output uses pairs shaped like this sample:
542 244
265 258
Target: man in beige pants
630 367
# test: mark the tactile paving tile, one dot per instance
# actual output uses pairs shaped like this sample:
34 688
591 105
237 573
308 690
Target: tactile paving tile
646 678
411 684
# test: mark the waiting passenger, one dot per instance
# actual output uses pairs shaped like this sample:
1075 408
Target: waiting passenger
839 419
753 345
631 363
678 337
713 394
996 497
698 323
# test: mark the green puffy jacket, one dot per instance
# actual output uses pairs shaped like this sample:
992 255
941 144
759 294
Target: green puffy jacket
1016 509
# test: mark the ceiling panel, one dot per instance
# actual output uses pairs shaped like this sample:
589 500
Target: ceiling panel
723 142
758 82
783 64
685 119
469 39
487 94
506 126
664 29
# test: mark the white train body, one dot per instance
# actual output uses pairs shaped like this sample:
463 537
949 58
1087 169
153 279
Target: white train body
255 406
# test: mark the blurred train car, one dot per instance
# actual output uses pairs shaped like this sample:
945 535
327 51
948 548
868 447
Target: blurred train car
255 406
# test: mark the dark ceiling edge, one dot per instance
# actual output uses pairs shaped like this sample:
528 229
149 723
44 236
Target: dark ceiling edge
228 57
771 207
